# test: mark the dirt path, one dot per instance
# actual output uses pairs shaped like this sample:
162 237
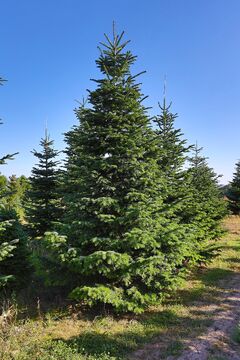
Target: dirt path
216 343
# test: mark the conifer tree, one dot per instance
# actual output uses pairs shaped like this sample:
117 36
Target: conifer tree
17 266
171 158
14 264
44 207
207 207
16 191
233 192
6 247
115 238
172 153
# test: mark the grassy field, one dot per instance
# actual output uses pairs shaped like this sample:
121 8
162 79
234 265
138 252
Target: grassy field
70 337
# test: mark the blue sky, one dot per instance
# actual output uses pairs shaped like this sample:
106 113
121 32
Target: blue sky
48 52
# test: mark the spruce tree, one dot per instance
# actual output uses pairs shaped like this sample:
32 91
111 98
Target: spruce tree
207 207
115 238
44 207
233 192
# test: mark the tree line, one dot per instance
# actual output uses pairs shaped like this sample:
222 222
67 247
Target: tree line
130 210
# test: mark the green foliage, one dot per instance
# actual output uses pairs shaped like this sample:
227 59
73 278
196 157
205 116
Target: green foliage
15 239
43 209
13 191
207 206
172 152
233 192
14 263
6 249
130 217
122 236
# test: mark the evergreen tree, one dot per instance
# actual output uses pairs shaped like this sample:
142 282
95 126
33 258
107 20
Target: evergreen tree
14 190
115 238
172 153
3 185
17 266
171 158
14 263
16 194
207 204
233 192
44 209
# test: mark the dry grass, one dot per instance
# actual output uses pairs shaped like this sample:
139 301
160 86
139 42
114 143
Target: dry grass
190 310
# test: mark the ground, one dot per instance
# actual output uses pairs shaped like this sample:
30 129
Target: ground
201 321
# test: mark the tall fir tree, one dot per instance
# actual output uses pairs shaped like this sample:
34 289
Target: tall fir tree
207 204
43 210
233 192
115 238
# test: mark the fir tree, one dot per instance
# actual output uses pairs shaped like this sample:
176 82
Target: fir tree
16 194
44 209
115 238
171 158
16 266
172 153
207 205
233 192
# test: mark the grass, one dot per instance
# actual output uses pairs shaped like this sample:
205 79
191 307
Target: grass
71 337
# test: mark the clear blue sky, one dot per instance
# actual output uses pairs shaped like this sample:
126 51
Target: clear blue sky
48 52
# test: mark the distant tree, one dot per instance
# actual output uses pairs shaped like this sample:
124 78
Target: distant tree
233 193
14 190
14 264
44 207
17 188
207 207
3 185
172 155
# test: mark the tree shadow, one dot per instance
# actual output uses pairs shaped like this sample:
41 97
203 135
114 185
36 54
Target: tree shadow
165 333
231 247
232 260
155 327
212 276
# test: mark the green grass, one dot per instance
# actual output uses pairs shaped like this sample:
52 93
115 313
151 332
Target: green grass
70 337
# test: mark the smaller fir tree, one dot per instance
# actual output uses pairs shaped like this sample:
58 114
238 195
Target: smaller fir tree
207 207
172 155
16 190
44 209
233 192
16 266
